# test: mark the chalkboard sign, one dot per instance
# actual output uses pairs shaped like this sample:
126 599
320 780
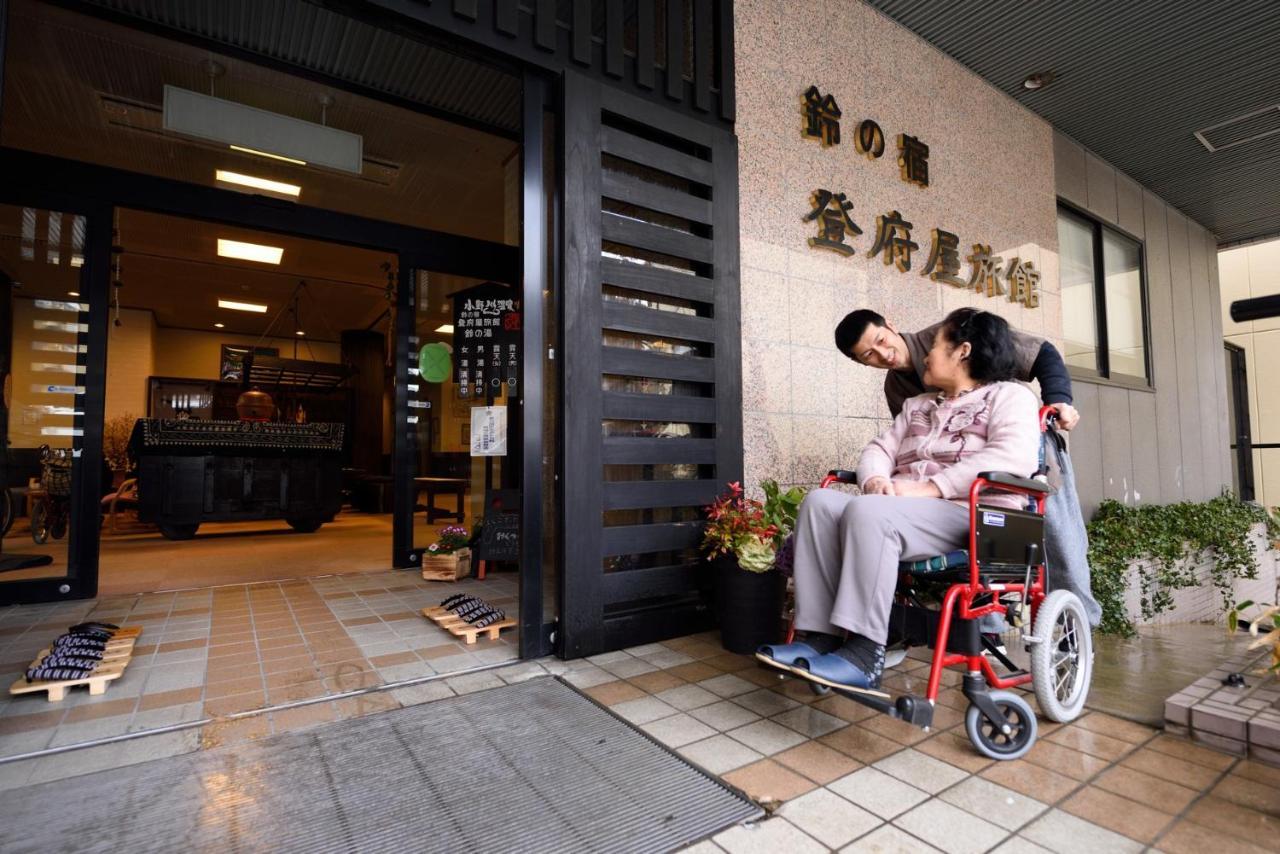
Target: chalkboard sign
500 538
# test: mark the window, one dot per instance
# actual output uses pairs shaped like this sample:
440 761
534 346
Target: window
1104 323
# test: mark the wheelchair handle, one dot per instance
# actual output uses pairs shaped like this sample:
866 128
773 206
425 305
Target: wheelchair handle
1048 418
839 476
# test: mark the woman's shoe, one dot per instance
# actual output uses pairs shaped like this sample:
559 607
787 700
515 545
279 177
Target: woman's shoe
839 673
783 656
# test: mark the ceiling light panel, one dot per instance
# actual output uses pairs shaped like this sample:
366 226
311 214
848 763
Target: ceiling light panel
242 306
253 182
205 117
250 251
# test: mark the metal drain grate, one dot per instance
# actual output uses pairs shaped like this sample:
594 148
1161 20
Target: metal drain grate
528 767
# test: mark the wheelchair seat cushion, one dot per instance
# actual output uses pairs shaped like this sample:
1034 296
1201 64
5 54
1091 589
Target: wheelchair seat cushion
939 563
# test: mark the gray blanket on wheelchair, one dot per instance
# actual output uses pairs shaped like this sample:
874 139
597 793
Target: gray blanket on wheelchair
1066 543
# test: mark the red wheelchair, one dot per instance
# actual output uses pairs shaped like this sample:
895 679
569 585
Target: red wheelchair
940 600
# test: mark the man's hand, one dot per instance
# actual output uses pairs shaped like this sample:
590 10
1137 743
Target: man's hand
916 489
878 486
1068 415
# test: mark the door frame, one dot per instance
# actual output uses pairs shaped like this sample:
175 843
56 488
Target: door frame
95 191
1242 442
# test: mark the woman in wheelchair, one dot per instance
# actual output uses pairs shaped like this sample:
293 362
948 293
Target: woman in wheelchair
915 481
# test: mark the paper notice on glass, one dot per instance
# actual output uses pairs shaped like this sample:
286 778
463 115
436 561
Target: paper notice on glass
488 431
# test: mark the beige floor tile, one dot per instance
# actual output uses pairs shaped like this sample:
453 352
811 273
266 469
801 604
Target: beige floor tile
695 672
766 780
678 730
902 733
643 710
818 762
727 662
1031 780
1064 833
1256 771
686 697
810 722
919 770
888 839
1187 837
768 837
727 685
993 802
1018 845
220 706
954 748
719 754
1065 760
1116 813
843 707
612 693
862 744
951 828
656 682
1164 795
766 737
1249 793
1116 727
828 818
1095 744
765 702
1183 749
796 689
1231 819
724 715
763 677
1167 767
877 792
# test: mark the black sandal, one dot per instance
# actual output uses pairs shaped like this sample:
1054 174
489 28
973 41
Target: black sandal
40 673
489 619
455 599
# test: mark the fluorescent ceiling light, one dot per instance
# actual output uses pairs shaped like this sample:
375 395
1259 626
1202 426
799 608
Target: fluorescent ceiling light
268 154
446 328
256 183
73 293
250 251
219 325
261 131
242 306
299 332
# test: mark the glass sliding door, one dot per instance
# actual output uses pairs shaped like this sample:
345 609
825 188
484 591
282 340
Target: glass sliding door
51 412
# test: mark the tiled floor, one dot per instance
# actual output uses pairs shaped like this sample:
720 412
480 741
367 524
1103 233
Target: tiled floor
834 775
839 776
214 653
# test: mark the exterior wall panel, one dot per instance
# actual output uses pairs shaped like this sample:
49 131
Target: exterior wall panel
1184 337
1164 361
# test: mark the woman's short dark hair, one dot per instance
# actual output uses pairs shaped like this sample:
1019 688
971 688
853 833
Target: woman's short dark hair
991 356
850 330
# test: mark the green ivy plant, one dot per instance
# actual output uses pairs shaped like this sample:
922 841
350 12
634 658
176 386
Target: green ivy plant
1164 536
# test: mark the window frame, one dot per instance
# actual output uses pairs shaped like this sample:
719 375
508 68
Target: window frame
1102 373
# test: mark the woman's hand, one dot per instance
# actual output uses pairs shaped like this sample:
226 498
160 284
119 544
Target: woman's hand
1068 415
916 489
878 486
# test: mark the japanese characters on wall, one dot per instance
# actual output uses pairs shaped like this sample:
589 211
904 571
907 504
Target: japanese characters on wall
832 213
486 340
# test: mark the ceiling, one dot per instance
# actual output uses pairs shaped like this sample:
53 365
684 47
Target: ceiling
1134 81
81 88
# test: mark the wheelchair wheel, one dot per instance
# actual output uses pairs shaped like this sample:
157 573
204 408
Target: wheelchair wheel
1061 656
991 739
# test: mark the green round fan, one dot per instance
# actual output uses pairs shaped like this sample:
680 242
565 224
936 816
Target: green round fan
434 362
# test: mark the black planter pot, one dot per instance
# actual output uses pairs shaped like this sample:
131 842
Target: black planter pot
748 605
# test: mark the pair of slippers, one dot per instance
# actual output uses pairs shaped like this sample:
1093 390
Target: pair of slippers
73 655
472 610
827 669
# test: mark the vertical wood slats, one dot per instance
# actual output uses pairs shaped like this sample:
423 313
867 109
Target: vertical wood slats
582 31
613 40
544 25
724 29
675 50
702 50
506 17
645 61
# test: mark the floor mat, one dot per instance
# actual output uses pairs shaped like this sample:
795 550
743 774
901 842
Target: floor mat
529 767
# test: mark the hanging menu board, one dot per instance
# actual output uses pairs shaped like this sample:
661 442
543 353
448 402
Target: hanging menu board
487 324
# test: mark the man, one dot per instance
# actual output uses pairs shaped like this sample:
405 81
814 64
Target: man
869 339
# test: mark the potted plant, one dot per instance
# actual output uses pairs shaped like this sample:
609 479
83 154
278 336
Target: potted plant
448 558
115 446
742 538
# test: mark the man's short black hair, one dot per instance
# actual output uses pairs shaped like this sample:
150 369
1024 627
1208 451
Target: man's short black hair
852 328
991 357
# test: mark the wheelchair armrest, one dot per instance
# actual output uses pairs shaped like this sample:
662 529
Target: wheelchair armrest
1002 478
841 476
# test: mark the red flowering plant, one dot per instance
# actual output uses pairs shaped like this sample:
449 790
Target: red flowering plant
452 538
739 526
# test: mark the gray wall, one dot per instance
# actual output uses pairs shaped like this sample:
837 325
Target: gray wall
1170 443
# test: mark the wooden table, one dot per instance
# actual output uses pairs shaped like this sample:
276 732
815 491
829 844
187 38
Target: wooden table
457 486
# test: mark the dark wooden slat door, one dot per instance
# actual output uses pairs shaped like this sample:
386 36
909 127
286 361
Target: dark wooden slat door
652 372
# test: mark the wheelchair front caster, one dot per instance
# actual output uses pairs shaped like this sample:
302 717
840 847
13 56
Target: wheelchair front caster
1009 739
820 690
